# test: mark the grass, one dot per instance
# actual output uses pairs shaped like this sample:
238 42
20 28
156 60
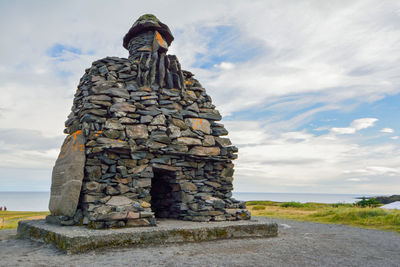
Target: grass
339 213
10 219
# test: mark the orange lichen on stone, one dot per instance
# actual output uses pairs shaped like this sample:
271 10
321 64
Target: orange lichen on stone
145 49
159 38
67 147
76 146
75 134
196 122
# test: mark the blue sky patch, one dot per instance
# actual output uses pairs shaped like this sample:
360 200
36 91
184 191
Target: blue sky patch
59 50
384 110
225 44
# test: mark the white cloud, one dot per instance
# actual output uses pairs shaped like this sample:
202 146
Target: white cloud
394 137
24 148
225 65
382 170
363 123
375 170
387 130
355 126
311 58
301 161
327 50
357 179
348 130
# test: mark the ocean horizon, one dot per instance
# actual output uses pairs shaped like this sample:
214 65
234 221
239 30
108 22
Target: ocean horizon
38 201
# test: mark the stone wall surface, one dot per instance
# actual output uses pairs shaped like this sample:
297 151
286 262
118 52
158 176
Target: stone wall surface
153 145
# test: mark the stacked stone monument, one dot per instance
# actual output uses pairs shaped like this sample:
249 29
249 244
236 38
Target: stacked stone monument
143 142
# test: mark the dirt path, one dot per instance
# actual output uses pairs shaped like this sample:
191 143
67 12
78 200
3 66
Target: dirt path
298 244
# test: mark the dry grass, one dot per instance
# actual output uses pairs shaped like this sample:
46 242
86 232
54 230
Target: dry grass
10 219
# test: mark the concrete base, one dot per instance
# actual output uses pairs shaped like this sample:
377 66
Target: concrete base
75 239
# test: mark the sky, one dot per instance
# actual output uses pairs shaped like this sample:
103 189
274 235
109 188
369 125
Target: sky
309 90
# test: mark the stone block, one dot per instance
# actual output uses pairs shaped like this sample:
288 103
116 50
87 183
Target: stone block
188 187
223 141
179 123
143 182
204 151
137 131
91 186
118 92
112 216
145 204
132 215
78 239
208 140
190 141
112 143
158 120
114 124
93 172
197 124
67 176
138 222
119 201
123 107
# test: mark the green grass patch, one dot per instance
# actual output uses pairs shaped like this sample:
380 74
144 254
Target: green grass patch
269 203
339 213
293 204
371 202
259 207
338 205
10 219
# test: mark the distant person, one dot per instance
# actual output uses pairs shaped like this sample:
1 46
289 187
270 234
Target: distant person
1 208
5 208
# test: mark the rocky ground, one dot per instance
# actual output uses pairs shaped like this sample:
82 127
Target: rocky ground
298 244
388 199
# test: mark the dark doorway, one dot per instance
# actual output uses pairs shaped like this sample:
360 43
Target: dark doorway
165 194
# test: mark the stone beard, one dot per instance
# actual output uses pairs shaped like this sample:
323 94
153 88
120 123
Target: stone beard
143 143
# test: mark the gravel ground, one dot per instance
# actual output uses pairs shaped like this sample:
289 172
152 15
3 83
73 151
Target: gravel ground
298 244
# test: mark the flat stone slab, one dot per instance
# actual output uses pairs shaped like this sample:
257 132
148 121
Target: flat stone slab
67 176
75 239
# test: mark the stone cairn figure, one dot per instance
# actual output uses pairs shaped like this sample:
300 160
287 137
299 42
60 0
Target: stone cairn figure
143 143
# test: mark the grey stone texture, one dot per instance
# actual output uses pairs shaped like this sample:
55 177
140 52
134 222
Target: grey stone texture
152 141
78 239
67 176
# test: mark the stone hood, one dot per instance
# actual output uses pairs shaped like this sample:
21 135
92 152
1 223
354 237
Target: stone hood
145 23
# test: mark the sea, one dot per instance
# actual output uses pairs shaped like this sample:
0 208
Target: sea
39 201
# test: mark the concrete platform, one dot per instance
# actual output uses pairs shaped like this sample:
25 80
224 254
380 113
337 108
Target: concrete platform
75 239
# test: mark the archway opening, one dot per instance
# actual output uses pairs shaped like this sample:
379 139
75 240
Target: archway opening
165 194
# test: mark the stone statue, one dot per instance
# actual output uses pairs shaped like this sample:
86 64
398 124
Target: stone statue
143 143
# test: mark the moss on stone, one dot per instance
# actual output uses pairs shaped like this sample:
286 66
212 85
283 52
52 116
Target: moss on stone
187 235
148 17
221 233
